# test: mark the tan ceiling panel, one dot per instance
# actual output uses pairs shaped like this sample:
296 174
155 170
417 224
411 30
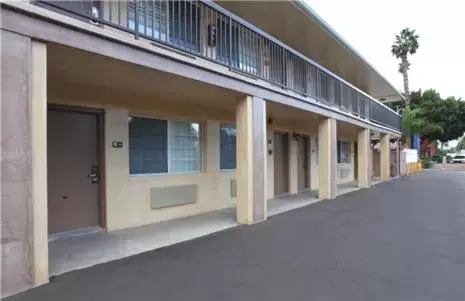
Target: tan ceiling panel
84 68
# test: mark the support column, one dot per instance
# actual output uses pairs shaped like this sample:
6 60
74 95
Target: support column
363 158
398 157
293 165
251 160
24 247
38 128
15 179
384 155
327 169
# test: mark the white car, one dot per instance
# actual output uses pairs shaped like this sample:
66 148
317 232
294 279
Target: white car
459 159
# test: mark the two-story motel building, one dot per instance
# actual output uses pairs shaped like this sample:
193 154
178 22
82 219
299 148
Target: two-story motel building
122 114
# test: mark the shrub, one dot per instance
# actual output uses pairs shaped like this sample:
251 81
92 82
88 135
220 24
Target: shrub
426 163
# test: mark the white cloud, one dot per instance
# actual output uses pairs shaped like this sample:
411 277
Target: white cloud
370 27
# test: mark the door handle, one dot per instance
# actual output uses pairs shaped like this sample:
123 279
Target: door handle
94 174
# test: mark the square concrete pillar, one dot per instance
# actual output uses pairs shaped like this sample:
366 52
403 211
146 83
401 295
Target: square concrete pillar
385 163
15 181
251 160
327 143
398 158
38 129
363 158
24 234
293 165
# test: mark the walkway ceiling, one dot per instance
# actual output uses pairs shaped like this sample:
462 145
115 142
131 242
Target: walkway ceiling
71 66
71 70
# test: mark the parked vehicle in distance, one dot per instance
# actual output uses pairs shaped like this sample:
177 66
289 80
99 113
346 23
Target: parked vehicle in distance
436 158
459 159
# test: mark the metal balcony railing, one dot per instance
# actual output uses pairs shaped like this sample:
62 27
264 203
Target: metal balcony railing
204 29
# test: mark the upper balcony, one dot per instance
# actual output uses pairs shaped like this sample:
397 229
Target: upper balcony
206 30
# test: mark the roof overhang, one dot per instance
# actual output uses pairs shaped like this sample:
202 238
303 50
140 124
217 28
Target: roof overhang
318 41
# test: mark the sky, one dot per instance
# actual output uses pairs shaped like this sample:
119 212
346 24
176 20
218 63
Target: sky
370 26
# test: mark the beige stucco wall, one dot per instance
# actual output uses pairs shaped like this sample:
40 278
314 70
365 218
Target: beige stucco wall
376 159
314 175
128 197
308 128
269 165
344 171
293 165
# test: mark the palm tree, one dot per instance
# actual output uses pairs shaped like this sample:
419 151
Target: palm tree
406 43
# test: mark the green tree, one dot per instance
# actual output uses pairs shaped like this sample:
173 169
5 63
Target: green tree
405 43
435 118
461 144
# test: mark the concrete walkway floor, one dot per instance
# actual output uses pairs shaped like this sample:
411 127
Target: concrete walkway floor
86 250
89 249
401 240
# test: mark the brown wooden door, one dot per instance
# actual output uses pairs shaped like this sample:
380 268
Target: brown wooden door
73 183
281 167
302 163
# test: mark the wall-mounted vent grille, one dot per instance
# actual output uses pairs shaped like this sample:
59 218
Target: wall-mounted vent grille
233 188
161 197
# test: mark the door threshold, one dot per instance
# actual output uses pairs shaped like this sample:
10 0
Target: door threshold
74 233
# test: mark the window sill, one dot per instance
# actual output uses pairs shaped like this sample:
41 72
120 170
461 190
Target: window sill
226 170
172 174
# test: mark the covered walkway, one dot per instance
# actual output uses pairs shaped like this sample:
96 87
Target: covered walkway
81 251
373 244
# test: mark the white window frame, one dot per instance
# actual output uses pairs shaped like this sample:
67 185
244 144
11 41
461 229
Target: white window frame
164 36
131 24
168 148
349 153
219 147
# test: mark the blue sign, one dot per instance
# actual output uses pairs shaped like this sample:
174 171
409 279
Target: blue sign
416 142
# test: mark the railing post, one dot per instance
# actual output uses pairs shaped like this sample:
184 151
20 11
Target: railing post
341 97
368 107
230 41
283 57
387 116
307 75
317 81
331 90
136 19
